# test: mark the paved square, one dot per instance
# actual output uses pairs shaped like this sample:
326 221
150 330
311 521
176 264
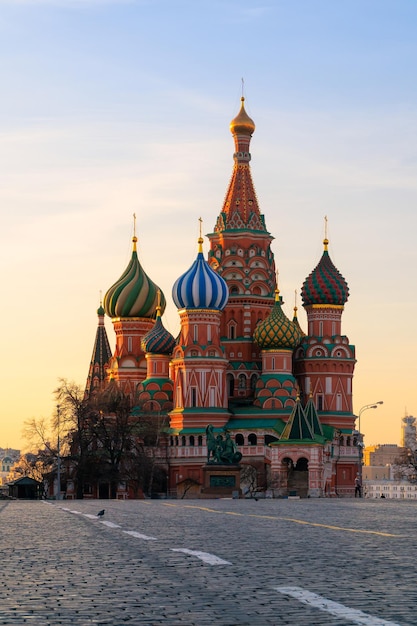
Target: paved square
206 562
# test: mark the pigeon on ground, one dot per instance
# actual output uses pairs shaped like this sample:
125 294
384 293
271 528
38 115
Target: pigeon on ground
100 513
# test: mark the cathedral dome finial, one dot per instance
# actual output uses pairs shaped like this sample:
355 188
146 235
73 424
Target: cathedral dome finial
242 124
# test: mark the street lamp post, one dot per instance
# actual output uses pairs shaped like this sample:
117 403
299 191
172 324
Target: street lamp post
58 460
364 408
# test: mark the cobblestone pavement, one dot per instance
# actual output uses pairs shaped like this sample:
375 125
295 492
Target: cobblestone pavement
209 562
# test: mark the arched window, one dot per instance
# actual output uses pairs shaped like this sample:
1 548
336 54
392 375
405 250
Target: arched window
200 440
183 441
252 439
192 443
242 381
230 384
240 440
232 330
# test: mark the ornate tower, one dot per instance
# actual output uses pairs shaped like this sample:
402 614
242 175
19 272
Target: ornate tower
132 304
100 359
198 366
154 394
324 361
277 336
240 252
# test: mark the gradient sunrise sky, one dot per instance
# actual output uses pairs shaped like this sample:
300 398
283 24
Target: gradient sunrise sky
110 108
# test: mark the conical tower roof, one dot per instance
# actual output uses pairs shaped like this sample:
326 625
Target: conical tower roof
312 417
97 373
240 208
297 427
134 294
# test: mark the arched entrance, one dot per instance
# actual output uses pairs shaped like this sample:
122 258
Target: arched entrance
297 477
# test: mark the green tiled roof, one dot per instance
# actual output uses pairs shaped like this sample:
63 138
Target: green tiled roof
253 424
297 426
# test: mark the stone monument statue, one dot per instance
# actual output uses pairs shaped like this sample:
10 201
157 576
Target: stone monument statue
221 449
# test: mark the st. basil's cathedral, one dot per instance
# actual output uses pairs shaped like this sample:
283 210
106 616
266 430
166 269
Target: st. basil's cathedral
281 394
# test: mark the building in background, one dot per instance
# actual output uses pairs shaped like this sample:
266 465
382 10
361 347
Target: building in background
408 432
8 456
382 454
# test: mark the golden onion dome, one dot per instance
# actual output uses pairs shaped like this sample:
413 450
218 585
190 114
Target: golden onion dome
242 124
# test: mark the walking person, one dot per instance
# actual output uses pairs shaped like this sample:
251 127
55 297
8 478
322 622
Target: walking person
358 487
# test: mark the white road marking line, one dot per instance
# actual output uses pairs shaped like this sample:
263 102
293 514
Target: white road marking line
110 524
134 533
334 608
90 516
211 559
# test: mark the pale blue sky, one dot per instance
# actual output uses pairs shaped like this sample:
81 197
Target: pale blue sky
110 108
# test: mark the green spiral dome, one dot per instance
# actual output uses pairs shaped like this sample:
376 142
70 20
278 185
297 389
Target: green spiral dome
134 294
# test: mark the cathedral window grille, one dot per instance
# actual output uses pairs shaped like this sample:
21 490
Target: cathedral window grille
129 344
193 396
195 332
320 402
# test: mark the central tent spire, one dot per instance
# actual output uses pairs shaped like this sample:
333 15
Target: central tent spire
241 209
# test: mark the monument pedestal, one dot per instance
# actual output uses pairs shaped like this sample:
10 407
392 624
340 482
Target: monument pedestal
221 481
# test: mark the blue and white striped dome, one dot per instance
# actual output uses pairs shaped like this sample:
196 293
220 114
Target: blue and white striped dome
200 287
